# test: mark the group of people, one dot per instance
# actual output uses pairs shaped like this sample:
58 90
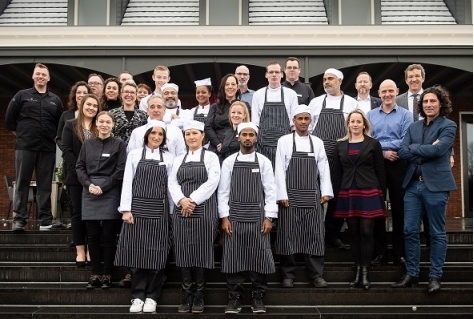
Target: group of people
166 178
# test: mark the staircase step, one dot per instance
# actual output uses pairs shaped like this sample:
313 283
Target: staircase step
455 272
169 312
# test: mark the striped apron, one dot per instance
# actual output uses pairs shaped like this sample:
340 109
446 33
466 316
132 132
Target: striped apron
247 249
144 244
273 125
201 118
194 235
330 127
301 226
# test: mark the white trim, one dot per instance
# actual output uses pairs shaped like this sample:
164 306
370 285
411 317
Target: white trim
461 141
107 20
372 12
240 12
76 14
339 11
207 12
232 36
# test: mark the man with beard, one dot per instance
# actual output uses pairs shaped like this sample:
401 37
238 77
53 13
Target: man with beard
390 123
329 112
292 75
303 184
242 74
365 101
247 204
169 91
33 116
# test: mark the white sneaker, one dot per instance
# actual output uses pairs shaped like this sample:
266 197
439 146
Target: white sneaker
150 305
137 305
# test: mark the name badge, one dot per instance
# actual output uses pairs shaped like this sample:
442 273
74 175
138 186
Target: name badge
105 155
162 163
310 154
255 170
299 95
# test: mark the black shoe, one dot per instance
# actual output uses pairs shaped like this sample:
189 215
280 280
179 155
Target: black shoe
233 306
257 303
126 282
18 226
356 281
379 260
336 243
186 302
287 283
48 225
106 281
198 302
364 280
399 261
80 264
434 285
405 281
94 282
320 283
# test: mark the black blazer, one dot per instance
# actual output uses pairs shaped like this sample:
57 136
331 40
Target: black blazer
368 171
71 146
375 102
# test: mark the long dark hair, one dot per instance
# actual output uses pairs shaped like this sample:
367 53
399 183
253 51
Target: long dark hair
221 98
103 98
148 132
78 129
443 97
71 103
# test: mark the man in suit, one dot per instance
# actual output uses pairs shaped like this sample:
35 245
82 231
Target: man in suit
414 78
427 148
389 125
365 101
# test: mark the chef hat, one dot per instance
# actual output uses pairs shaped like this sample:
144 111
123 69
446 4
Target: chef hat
302 108
153 123
206 82
336 72
193 125
247 125
169 85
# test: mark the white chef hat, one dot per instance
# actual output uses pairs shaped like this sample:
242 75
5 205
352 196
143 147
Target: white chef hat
169 85
247 125
193 125
206 82
153 123
336 72
302 108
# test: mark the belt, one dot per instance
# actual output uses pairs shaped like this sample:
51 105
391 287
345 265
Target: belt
418 178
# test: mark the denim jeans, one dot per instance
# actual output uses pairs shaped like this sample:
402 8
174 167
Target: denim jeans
417 196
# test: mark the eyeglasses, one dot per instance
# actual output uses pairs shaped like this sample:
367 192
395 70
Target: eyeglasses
292 67
128 93
273 72
242 74
94 83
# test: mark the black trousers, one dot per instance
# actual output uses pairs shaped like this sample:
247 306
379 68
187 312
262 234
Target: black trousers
235 281
42 163
79 231
193 279
146 283
332 225
314 266
102 232
395 173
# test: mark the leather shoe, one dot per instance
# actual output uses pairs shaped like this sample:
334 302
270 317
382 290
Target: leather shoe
18 226
379 260
405 281
399 261
126 282
320 283
434 285
287 283
336 243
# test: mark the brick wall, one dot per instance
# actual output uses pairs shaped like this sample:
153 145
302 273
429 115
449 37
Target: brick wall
7 154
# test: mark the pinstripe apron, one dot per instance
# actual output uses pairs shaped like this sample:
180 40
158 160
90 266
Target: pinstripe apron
273 125
144 244
199 117
247 249
301 226
194 235
330 128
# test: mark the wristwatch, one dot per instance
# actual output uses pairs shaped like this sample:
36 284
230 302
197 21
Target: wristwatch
269 218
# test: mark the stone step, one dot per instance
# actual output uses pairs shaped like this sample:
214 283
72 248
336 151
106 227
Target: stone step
67 273
106 311
336 294
55 253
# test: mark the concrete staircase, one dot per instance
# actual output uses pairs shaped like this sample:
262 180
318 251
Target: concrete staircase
38 279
